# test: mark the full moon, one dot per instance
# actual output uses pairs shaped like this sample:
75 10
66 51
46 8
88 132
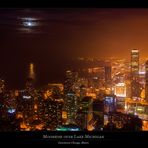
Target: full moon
29 22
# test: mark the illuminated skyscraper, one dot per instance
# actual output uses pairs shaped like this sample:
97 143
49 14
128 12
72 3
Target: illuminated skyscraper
120 90
71 79
135 86
135 63
146 80
109 103
85 114
51 113
71 107
71 99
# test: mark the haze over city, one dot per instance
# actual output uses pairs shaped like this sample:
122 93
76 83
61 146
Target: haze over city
53 39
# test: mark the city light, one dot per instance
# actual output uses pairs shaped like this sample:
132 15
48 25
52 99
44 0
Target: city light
64 115
120 90
11 110
80 102
47 89
26 97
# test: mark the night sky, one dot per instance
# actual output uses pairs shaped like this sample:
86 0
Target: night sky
53 38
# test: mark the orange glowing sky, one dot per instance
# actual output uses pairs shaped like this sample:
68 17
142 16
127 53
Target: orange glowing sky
58 35
117 31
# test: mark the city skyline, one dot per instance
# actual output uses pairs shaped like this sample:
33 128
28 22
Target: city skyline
98 97
53 38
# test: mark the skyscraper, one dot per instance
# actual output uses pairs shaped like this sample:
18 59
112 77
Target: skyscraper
70 99
51 113
85 114
135 63
146 80
71 107
135 85
70 81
